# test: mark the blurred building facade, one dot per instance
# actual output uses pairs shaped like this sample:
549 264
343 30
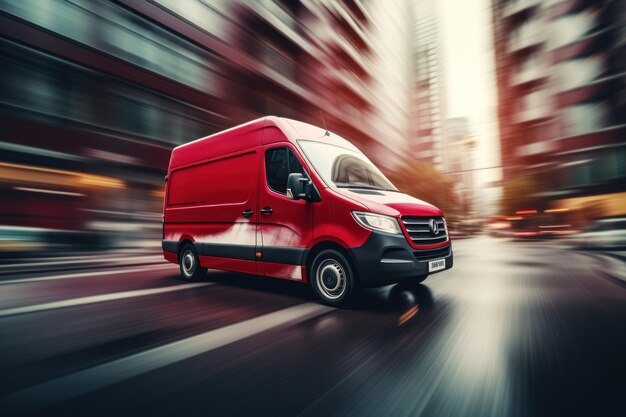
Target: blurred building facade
96 94
457 161
427 105
561 77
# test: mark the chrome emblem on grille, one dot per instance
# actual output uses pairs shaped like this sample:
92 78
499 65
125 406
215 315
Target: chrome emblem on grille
433 226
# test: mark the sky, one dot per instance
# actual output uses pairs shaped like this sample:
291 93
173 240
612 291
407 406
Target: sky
469 79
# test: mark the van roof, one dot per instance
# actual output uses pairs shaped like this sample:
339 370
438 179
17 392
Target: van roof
224 142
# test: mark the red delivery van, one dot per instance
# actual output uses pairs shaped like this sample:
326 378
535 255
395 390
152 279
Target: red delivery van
286 199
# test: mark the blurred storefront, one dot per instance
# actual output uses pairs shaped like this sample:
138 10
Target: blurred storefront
96 94
596 206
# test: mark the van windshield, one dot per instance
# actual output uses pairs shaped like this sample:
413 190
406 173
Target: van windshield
344 168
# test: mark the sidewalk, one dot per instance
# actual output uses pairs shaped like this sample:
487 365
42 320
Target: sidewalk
620 254
613 263
81 261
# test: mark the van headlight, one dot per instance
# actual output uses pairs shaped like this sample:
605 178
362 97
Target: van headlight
377 222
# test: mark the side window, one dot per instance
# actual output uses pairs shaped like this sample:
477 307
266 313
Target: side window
279 163
294 164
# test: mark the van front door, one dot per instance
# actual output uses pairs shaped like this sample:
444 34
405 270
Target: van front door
286 225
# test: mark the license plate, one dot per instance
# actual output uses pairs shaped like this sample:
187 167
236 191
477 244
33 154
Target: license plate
436 265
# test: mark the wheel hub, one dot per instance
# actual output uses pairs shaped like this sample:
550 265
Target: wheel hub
331 279
188 263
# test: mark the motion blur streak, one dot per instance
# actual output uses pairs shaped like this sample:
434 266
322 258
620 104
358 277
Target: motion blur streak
114 372
95 299
96 94
527 337
70 261
76 275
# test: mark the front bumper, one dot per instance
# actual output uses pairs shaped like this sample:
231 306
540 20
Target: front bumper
387 259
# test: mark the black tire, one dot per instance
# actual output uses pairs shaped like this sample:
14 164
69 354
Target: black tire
190 268
421 278
331 278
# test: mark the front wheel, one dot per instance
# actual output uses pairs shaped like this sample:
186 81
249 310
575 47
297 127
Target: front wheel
190 267
331 277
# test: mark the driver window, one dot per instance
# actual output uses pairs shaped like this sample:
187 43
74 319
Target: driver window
279 163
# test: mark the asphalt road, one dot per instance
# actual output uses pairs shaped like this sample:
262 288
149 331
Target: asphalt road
515 329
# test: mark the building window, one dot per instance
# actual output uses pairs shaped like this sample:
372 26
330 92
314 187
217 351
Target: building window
609 165
581 176
569 28
584 118
579 72
116 31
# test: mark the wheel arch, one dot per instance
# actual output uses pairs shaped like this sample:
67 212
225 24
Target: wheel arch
183 242
328 244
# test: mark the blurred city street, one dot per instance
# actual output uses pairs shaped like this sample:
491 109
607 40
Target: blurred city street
515 329
506 119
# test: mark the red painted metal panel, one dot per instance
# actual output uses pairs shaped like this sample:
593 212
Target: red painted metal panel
170 256
239 138
334 221
228 264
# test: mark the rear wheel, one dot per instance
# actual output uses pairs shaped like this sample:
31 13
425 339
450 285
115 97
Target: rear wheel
331 277
190 267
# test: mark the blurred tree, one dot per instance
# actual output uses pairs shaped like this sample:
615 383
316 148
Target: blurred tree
423 181
521 193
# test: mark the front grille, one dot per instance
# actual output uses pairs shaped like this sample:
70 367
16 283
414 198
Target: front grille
425 255
419 230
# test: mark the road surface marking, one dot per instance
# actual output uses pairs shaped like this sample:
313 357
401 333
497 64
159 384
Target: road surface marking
96 299
81 261
101 376
83 274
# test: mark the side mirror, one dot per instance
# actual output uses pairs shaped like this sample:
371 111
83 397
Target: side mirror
301 188
295 186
